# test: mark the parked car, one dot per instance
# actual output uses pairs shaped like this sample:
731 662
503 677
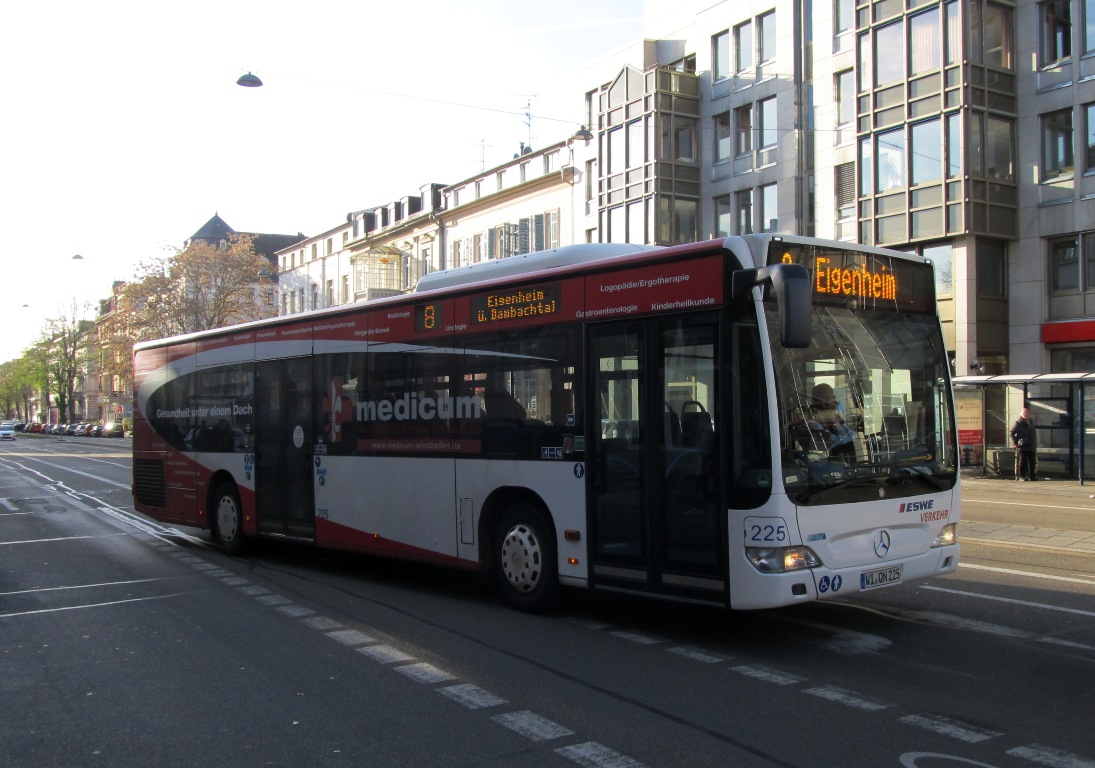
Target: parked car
114 429
7 431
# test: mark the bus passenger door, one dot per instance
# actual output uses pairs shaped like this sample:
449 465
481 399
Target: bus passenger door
653 457
283 448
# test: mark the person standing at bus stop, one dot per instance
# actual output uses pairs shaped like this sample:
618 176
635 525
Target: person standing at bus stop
1024 438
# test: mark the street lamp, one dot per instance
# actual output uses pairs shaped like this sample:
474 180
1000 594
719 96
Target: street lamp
249 81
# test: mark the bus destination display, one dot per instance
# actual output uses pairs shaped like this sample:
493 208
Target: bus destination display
860 279
515 304
428 317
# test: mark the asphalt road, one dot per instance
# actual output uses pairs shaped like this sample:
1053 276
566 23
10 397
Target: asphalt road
126 643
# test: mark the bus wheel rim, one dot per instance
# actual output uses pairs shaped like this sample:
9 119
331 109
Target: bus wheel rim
226 519
522 558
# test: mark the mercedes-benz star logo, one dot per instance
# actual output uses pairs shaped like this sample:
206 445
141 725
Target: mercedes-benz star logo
882 543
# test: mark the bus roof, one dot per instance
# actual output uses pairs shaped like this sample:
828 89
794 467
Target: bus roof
527 263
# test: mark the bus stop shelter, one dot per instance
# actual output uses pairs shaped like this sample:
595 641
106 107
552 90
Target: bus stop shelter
1063 407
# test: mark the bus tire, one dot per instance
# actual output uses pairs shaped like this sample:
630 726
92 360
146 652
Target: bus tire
228 519
526 566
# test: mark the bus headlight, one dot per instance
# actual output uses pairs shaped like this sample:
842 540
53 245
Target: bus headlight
782 559
948 535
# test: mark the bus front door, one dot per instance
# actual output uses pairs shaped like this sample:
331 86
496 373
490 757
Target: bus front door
653 457
283 448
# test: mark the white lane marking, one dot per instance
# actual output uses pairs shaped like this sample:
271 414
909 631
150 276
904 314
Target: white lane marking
1069 550
844 641
1024 504
767 675
384 654
532 726
587 623
637 637
425 673
948 727
321 622
1011 600
847 698
1055 758
351 637
296 611
254 590
594 755
1031 574
9 506
91 586
961 622
235 581
99 605
472 696
273 600
14 514
62 538
695 654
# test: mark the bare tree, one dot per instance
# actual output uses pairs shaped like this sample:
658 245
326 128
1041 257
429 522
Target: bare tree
54 361
204 286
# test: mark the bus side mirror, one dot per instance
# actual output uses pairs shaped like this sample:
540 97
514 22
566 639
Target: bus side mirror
791 285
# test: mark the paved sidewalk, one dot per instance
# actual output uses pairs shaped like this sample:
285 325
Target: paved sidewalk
1056 492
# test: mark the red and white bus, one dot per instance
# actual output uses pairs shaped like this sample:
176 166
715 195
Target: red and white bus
748 422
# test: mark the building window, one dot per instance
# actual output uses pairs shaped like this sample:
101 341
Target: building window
1088 242
724 138
345 289
724 216
1055 21
1089 26
720 54
999 148
744 204
636 144
890 65
743 46
1057 157
768 135
891 160
926 152
766 32
1089 131
1064 264
769 208
925 42
684 140
845 190
844 16
991 267
997 36
330 298
941 257
845 97
743 118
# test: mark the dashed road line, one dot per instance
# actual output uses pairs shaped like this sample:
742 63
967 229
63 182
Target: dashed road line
949 727
472 696
695 654
594 755
775 677
351 637
385 654
1055 758
845 697
532 726
425 673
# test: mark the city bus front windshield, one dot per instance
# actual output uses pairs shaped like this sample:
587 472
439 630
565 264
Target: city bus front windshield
864 411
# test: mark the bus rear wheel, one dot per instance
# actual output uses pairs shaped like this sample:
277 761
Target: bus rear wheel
526 566
228 519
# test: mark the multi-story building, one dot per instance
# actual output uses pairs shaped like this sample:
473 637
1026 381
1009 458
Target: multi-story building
945 127
524 205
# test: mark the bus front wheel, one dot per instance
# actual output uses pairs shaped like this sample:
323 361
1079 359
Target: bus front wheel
228 519
526 566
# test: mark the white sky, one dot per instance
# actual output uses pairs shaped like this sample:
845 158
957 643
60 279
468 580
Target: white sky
123 130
